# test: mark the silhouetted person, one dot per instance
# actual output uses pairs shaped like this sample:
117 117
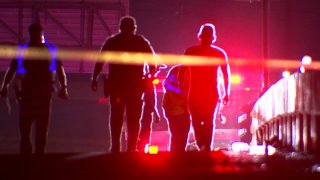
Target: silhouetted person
203 95
149 111
126 84
34 87
175 106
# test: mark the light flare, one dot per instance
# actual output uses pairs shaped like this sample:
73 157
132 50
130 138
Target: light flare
261 150
140 58
306 60
235 79
285 74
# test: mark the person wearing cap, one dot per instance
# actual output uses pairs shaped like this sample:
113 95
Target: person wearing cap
203 93
124 83
34 86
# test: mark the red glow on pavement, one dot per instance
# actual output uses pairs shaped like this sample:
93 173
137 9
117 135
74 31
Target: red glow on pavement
225 168
219 156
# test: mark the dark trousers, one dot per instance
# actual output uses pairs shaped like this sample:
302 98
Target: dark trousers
34 108
179 126
203 124
146 119
132 105
145 126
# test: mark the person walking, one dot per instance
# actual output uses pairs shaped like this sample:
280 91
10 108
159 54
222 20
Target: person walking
34 86
125 83
203 94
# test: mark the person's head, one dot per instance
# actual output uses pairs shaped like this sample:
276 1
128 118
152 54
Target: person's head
128 24
36 32
207 34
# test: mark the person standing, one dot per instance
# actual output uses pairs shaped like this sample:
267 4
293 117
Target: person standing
175 106
203 94
150 112
34 86
125 83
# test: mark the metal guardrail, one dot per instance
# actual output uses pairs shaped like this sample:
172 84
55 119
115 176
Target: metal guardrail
288 114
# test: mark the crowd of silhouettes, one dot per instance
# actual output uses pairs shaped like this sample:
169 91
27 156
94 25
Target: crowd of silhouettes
190 92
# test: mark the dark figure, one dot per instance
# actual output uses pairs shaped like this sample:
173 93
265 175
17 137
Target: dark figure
34 88
203 95
175 106
149 111
126 84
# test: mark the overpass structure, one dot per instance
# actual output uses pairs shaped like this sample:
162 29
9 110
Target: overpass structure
73 24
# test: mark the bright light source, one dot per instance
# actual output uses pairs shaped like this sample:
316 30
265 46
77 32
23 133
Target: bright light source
260 150
43 39
247 89
316 168
240 146
146 148
235 79
302 69
153 149
285 74
155 81
306 60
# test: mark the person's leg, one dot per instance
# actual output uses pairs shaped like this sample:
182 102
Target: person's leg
25 125
214 125
179 127
26 117
116 121
133 109
197 127
145 126
202 112
42 122
207 128
202 123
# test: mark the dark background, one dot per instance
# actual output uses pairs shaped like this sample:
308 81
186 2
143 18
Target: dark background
292 28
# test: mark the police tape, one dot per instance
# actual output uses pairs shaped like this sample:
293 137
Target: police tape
160 58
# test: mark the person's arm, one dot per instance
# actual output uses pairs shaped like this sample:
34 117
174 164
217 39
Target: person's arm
95 75
186 80
98 67
147 48
63 92
225 69
8 78
153 70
